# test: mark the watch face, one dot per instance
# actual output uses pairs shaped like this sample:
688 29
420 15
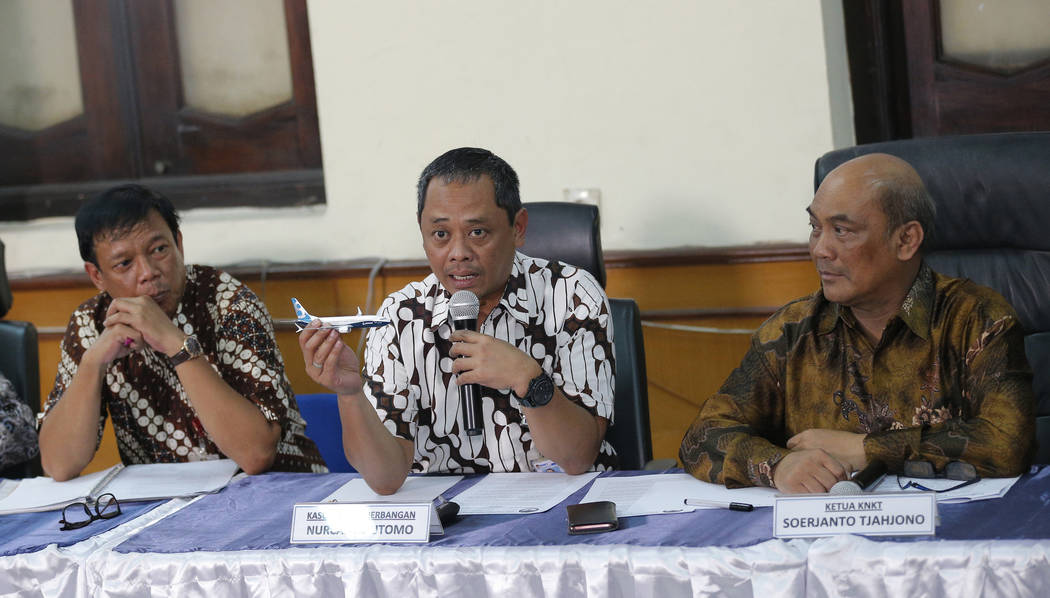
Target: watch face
193 346
541 390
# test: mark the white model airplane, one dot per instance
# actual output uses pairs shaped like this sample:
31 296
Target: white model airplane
341 323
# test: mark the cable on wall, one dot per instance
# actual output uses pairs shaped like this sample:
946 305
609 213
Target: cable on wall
371 295
700 329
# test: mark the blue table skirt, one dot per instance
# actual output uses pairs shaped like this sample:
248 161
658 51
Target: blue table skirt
1020 515
255 514
29 532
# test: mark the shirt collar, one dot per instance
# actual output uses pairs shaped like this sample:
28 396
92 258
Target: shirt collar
518 300
916 310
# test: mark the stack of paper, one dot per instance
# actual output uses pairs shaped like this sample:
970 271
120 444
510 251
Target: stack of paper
415 489
519 493
127 483
980 490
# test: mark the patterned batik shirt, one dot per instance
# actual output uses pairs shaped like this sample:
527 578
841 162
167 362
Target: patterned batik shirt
554 312
18 442
948 381
153 419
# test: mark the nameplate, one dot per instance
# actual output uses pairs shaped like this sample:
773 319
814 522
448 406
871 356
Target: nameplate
812 515
353 523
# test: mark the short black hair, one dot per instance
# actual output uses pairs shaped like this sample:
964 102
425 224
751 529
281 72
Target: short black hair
466 165
116 211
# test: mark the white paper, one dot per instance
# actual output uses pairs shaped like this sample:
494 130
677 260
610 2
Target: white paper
983 489
666 493
168 480
415 489
134 482
518 493
44 494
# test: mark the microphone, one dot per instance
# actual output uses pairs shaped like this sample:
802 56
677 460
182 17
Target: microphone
463 309
863 481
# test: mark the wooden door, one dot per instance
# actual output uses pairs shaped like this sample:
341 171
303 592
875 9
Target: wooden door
955 87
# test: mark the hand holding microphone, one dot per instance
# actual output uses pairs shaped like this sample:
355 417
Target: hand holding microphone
463 309
864 480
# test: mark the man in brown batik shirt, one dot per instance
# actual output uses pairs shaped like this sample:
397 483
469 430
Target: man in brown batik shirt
182 358
888 360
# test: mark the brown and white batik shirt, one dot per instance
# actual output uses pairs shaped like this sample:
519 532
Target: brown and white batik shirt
555 312
152 416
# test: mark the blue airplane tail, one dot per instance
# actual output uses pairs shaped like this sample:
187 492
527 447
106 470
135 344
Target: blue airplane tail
302 317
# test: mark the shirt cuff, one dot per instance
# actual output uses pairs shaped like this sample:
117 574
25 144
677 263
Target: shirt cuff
893 447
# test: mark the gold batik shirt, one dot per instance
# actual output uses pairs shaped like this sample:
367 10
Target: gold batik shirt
948 381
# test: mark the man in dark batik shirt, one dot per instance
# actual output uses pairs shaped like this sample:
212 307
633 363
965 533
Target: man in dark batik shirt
888 361
18 441
182 358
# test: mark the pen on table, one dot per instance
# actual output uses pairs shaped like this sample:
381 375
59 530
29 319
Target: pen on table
732 506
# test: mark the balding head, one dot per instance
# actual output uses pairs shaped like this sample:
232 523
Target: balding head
868 221
898 189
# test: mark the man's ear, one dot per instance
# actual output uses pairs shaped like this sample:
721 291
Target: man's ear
521 222
95 275
909 239
178 242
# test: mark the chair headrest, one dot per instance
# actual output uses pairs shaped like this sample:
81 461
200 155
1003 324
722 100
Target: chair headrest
991 191
568 232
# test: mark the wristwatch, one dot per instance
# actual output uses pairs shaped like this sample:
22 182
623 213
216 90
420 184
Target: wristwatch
191 349
540 392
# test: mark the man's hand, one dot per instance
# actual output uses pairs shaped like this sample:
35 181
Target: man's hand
329 362
846 447
482 359
115 342
144 315
808 470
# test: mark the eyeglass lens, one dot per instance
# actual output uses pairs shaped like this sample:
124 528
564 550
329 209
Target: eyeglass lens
75 516
79 514
107 507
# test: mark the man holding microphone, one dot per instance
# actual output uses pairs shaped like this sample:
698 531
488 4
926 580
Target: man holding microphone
542 359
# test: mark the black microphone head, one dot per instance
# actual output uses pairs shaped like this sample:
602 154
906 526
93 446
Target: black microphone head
464 305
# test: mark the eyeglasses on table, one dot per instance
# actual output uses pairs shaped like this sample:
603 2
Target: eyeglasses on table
79 514
954 470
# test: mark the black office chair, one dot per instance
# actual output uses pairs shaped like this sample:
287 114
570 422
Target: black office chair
20 364
570 233
567 232
991 195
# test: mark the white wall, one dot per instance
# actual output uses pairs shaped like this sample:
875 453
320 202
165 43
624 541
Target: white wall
699 120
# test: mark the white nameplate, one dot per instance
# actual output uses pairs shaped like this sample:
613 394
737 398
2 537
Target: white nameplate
898 514
351 523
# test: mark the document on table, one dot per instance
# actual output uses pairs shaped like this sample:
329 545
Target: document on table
151 481
517 493
420 488
983 489
666 493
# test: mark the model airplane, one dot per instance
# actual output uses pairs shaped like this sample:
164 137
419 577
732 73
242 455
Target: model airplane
341 323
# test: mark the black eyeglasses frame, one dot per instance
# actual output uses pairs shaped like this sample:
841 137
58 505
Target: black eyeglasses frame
101 506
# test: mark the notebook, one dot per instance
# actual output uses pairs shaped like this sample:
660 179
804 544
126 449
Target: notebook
128 483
